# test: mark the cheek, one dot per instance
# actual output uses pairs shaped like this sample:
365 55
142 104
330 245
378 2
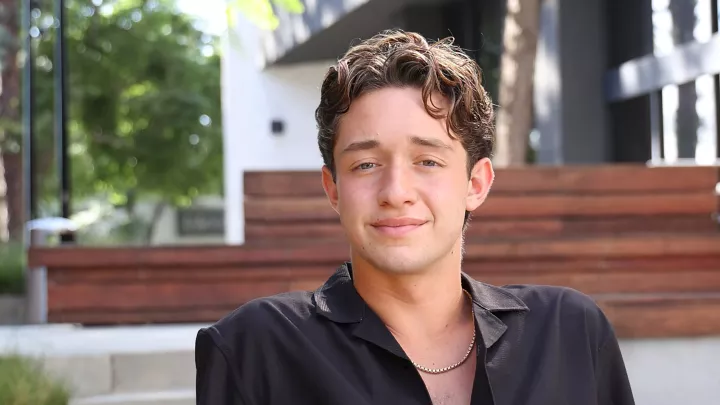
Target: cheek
353 198
446 197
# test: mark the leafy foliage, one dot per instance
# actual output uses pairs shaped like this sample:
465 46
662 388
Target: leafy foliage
23 382
12 265
261 12
144 108
144 100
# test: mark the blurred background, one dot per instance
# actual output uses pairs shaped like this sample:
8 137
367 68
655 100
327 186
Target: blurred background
159 167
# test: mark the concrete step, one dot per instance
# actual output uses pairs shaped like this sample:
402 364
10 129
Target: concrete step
154 371
124 373
111 363
175 397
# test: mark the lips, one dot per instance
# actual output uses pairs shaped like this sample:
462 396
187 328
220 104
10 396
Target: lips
398 226
395 222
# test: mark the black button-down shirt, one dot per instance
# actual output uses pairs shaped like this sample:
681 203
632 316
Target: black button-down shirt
539 346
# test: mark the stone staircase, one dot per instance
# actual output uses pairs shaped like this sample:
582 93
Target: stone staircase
154 365
143 365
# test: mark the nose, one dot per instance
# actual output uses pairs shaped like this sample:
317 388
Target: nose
396 187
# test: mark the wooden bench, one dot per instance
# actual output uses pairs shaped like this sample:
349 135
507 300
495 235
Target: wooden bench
650 286
291 207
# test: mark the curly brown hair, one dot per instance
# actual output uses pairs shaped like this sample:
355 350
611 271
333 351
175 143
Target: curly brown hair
395 58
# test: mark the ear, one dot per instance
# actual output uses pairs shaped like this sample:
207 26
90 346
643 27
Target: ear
481 179
330 187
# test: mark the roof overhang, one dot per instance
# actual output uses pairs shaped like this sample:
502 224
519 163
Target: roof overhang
328 27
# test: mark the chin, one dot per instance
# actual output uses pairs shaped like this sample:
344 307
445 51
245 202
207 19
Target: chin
398 260
408 255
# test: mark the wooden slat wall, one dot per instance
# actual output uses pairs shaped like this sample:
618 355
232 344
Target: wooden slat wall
641 241
636 279
290 207
531 179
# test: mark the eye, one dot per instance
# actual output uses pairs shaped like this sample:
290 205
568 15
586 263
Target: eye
365 166
429 163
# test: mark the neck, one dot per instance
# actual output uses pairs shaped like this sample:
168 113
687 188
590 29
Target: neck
425 304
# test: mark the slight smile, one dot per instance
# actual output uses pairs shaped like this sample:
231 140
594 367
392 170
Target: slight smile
398 226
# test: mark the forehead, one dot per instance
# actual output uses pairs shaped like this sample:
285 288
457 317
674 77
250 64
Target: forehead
391 115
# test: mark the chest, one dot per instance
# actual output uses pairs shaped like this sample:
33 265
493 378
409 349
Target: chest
378 378
520 369
454 387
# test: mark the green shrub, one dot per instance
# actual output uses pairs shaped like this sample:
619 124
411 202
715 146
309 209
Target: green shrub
12 267
23 382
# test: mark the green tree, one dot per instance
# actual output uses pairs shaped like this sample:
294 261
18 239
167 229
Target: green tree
144 109
144 102
144 98
10 163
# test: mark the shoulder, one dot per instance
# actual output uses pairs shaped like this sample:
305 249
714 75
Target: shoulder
261 319
568 308
290 306
544 296
235 355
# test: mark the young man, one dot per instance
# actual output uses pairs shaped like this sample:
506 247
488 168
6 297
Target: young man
406 133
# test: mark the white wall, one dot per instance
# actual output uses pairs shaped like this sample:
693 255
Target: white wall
673 371
254 96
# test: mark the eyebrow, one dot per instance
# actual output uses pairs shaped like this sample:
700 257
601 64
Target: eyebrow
431 142
361 145
372 144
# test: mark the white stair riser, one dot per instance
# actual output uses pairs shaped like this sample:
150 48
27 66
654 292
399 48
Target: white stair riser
184 397
139 372
103 374
189 401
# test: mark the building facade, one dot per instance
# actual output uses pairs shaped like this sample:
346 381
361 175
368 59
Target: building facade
613 79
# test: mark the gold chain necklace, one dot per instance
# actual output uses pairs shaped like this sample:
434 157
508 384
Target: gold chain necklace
459 363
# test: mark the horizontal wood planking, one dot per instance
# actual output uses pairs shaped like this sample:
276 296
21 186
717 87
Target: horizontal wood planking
577 179
643 313
165 295
575 223
195 274
101 285
271 232
663 316
616 178
147 316
83 258
536 201
602 246
509 270
227 293
607 247
280 209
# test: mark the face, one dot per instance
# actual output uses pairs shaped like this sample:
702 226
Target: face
402 185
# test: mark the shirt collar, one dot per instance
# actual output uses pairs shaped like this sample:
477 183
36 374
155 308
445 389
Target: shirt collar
339 301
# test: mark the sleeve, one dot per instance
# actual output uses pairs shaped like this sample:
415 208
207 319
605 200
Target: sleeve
214 382
612 379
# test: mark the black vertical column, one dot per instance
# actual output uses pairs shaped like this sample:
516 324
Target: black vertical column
61 136
714 16
630 35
